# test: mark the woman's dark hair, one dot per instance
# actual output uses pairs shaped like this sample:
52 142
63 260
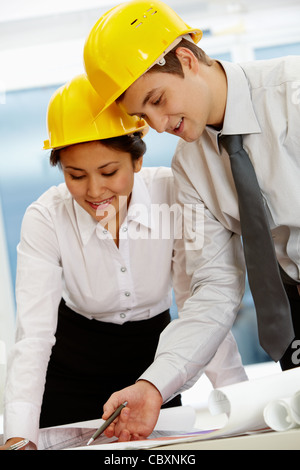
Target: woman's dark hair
131 143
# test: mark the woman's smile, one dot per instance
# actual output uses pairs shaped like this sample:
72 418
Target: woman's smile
101 204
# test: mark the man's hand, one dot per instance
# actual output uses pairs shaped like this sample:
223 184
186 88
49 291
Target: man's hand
137 420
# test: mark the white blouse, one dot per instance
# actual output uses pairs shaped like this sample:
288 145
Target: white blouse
64 252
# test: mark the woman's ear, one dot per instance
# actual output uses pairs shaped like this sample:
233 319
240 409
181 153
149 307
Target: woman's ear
138 164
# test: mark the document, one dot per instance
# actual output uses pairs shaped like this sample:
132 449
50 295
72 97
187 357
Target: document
171 422
258 405
283 414
242 405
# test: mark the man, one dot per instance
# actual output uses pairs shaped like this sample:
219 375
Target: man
156 71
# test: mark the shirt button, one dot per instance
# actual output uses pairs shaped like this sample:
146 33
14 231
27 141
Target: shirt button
105 231
127 294
123 269
124 229
122 315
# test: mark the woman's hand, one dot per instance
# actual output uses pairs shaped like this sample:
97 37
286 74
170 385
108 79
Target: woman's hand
13 440
137 420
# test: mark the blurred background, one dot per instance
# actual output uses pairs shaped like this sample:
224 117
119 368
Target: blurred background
41 47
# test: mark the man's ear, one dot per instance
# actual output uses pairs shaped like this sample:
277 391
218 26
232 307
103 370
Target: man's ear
187 59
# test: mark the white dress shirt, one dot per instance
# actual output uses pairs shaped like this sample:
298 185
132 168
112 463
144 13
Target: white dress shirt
64 252
263 104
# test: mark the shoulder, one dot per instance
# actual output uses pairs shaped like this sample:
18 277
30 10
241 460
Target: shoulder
187 154
53 196
155 173
159 182
272 72
158 176
50 201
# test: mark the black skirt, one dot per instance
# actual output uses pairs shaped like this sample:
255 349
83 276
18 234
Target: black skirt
91 359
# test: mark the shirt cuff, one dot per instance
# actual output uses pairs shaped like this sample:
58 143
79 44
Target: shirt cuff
21 420
165 377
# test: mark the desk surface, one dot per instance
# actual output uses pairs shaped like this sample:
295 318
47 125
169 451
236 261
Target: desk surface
197 397
288 440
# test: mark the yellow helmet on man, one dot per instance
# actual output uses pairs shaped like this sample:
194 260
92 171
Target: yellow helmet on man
126 41
75 115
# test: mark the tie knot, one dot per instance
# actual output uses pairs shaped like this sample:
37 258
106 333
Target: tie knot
231 143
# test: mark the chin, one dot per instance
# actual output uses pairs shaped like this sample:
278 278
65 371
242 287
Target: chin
190 139
191 136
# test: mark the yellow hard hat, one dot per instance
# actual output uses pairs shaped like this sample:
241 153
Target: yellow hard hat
75 115
126 41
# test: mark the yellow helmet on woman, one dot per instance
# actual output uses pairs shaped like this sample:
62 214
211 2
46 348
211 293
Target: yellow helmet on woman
126 41
75 115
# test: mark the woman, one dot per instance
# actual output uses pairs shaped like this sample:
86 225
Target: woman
96 264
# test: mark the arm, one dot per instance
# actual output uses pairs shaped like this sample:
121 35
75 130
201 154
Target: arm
190 342
38 292
12 441
226 365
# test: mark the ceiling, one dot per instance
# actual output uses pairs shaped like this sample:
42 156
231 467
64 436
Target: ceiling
41 43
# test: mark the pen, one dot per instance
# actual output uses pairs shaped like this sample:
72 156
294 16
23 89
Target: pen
18 445
107 422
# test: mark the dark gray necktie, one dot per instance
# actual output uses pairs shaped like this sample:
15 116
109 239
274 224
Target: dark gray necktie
274 322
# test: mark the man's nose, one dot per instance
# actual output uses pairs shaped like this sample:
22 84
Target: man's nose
158 122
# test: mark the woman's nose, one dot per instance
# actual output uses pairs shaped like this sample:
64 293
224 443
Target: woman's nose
96 187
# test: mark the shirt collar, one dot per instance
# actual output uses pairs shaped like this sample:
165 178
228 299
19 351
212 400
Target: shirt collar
239 116
85 222
139 211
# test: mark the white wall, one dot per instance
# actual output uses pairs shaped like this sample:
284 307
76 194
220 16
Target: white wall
42 42
7 308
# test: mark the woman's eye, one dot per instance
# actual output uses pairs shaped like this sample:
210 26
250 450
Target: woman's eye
110 174
76 177
157 101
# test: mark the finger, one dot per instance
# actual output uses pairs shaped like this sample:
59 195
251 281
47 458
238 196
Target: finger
124 436
136 437
110 431
112 404
108 408
122 421
124 416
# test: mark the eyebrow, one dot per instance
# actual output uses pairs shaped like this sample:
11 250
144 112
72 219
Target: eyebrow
146 99
149 96
69 167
